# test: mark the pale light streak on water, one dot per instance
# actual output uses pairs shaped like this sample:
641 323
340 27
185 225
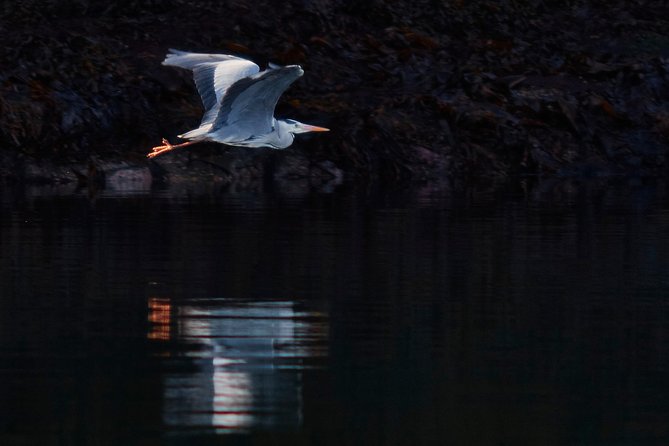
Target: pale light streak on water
248 356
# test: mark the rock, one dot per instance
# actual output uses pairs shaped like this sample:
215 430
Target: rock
84 79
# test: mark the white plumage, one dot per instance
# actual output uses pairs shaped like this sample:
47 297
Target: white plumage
239 102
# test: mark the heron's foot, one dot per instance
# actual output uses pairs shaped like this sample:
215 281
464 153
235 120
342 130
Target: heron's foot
159 150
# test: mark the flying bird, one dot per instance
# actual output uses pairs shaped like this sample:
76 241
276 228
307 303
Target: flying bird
239 102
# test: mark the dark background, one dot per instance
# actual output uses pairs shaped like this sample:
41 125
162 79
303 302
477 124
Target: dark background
535 314
411 89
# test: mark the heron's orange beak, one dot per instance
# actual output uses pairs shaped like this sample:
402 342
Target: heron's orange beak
314 128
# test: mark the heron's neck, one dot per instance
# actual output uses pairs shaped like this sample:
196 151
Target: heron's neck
283 138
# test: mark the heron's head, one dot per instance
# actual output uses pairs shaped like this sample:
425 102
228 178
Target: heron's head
296 127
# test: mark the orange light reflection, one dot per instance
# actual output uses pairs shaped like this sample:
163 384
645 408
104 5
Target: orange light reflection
160 311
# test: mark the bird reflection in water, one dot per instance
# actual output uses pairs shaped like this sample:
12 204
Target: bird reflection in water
159 317
249 358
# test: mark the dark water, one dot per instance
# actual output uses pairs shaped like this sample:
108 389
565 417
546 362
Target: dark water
342 318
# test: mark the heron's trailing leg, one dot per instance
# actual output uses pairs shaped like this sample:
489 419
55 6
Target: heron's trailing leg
166 147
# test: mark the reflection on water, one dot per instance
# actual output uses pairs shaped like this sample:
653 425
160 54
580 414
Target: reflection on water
528 317
249 358
160 317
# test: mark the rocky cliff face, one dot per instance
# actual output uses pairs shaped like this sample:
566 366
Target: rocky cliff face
411 89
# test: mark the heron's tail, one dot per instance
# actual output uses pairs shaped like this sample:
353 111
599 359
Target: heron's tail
196 134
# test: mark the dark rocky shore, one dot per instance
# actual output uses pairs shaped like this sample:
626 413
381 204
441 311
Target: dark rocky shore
422 90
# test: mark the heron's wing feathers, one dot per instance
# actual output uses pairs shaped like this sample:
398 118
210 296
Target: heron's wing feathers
213 75
214 79
248 105
184 59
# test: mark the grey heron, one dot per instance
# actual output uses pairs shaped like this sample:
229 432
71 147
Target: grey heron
239 102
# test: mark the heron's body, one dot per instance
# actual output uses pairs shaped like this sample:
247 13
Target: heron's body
239 102
279 137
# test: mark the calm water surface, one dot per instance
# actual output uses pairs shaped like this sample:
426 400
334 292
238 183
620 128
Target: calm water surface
340 318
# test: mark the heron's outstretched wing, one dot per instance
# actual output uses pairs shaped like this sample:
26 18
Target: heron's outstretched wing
248 105
213 75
